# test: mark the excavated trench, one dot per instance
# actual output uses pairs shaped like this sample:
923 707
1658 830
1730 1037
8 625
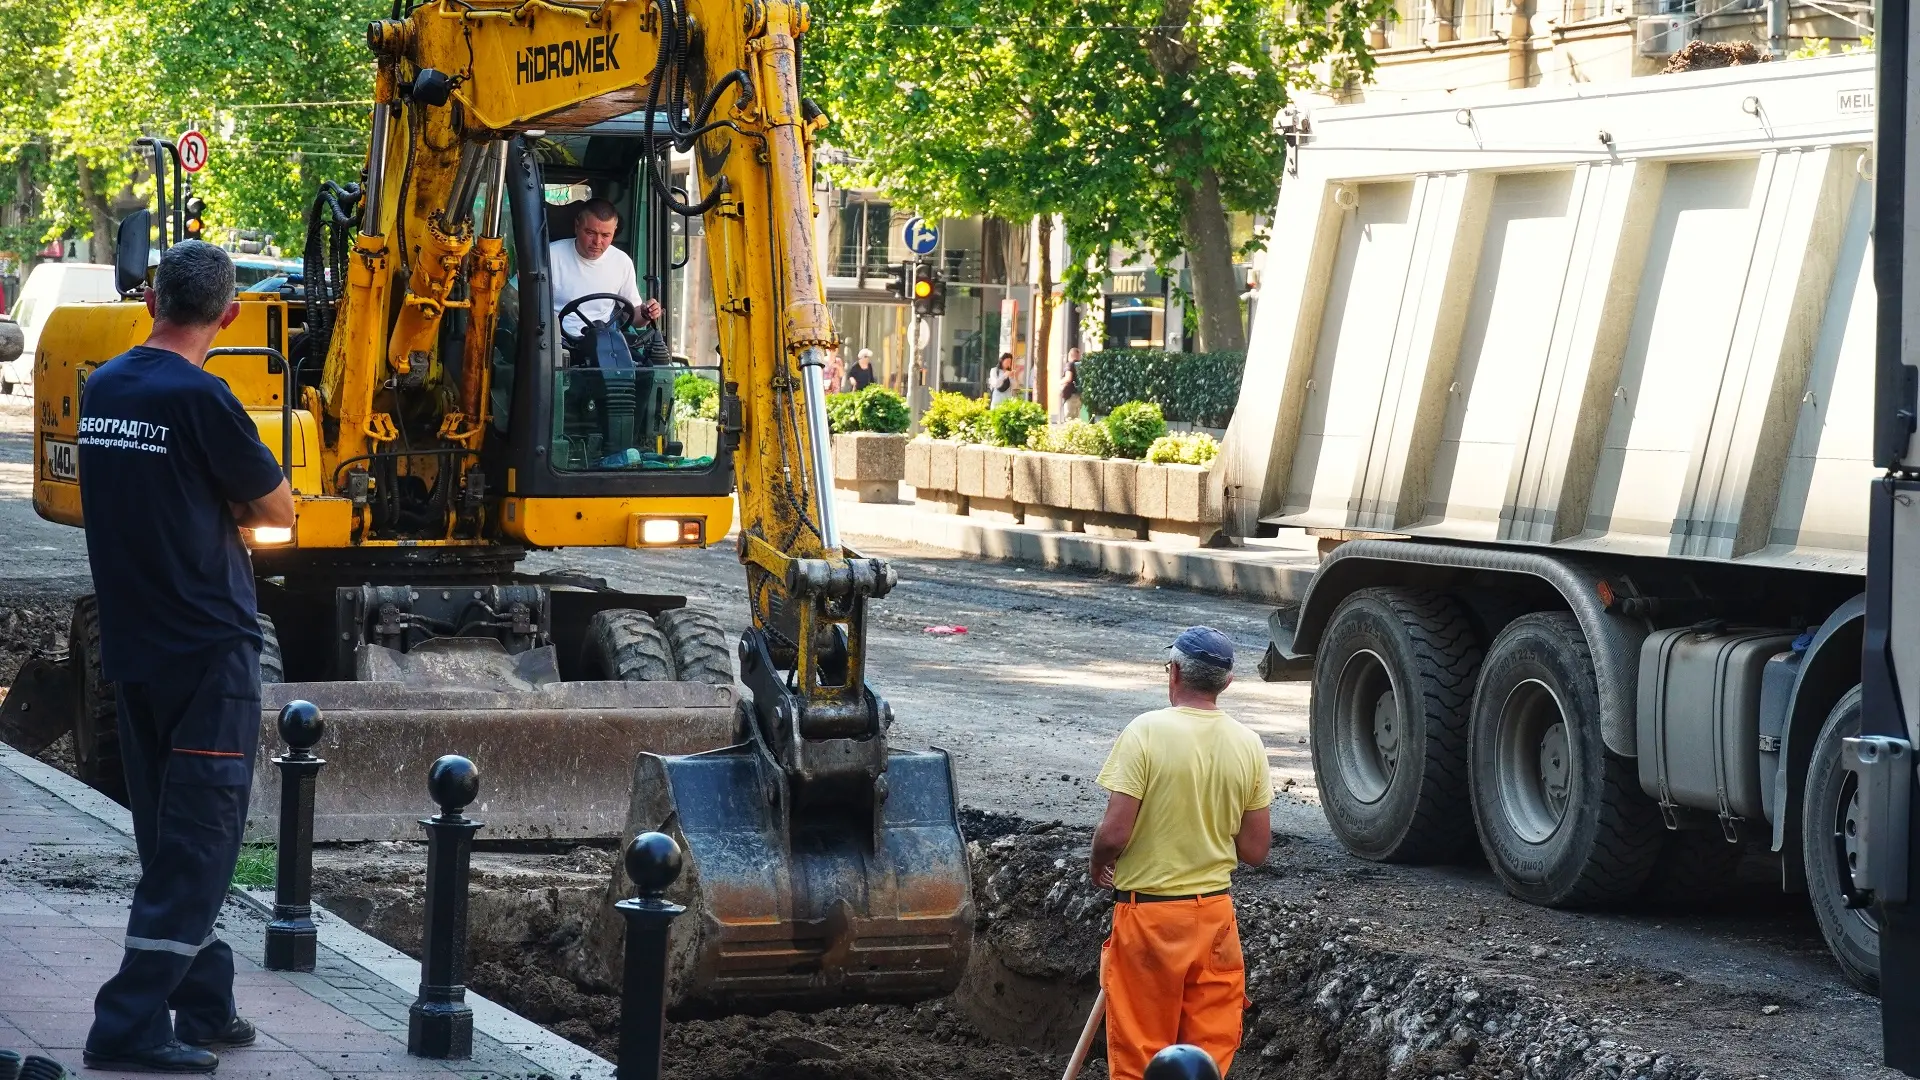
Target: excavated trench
1328 998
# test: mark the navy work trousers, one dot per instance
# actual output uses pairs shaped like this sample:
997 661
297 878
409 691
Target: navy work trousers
187 741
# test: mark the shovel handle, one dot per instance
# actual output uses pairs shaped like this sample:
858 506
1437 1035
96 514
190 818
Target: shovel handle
1085 1044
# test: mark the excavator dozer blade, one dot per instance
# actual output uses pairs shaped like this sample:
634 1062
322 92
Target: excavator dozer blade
556 762
807 910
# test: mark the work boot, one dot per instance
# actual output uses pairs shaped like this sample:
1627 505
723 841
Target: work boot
172 1056
238 1032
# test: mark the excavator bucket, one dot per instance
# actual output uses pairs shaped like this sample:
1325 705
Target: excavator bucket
791 909
555 761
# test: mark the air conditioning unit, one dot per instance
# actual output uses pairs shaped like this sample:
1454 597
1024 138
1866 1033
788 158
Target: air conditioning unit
1663 35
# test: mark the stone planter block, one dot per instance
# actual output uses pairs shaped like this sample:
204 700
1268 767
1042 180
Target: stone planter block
997 467
1186 493
970 464
944 470
920 463
1029 476
1150 491
1056 483
698 438
869 456
1089 487
1120 486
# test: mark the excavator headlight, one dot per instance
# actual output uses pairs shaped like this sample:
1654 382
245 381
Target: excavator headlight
667 532
270 536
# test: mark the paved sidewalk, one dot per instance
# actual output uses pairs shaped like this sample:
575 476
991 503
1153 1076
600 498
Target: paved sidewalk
1269 571
65 878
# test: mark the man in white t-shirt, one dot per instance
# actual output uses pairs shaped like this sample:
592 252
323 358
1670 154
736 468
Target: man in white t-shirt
589 263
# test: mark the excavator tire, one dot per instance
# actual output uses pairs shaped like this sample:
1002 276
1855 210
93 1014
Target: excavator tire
96 721
699 646
272 668
624 645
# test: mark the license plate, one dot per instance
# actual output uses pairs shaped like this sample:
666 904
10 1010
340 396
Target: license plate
63 462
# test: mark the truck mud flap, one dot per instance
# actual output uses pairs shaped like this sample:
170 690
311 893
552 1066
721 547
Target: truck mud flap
556 763
807 910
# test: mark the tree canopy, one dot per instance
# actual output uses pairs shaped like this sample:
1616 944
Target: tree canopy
81 79
1139 123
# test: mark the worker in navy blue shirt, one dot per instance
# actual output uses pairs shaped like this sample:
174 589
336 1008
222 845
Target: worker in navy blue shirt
171 469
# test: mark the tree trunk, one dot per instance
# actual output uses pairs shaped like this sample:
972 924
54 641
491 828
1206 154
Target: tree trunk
1044 329
1210 260
1203 217
101 215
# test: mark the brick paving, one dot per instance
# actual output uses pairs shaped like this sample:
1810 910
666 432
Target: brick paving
65 879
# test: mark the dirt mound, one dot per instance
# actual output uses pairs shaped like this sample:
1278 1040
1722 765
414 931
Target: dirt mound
33 621
1706 55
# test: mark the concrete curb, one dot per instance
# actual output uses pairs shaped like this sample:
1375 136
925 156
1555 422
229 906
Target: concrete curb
524 1037
1264 574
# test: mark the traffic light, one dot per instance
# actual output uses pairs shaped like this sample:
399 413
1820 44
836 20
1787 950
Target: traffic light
929 294
195 206
900 280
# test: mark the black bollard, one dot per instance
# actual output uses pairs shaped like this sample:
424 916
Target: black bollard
291 938
440 1024
1182 1061
653 864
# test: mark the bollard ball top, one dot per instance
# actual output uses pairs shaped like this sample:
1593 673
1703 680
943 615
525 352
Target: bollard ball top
454 782
1182 1061
653 863
300 724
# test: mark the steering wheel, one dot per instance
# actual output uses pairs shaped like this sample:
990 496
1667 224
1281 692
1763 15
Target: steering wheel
621 318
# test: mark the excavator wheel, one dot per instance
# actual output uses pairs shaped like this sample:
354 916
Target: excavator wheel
272 668
96 722
624 645
699 646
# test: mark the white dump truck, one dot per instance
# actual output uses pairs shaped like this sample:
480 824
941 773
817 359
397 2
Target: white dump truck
1577 384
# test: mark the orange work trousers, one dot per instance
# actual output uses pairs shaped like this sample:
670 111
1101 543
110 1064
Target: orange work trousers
1174 973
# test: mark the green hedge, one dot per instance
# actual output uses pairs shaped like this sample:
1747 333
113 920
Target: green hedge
874 409
1190 388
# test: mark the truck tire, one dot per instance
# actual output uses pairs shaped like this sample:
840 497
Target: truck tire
96 715
699 646
1562 821
273 668
624 645
1393 678
1826 831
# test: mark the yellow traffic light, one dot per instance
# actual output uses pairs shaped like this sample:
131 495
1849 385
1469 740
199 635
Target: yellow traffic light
922 289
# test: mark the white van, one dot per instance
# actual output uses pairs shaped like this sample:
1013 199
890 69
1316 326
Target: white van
48 286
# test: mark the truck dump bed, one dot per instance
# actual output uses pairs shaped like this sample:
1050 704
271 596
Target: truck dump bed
1635 318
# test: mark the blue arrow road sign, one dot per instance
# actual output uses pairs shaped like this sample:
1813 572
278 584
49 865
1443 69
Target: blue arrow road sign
920 237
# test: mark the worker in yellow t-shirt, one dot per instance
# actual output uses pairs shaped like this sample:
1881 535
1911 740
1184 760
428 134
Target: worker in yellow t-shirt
1189 792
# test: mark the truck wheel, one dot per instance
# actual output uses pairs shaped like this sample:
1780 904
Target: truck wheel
1828 838
96 719
699 646
1563 821
624 645
273 668
1392 681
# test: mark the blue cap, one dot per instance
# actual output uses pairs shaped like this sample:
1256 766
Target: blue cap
1205 643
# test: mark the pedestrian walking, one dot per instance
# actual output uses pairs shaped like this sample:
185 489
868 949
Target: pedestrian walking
861 375
171 469
1188 796
834 377
1001 382
1070 390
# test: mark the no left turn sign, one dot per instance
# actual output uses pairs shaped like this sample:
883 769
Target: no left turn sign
193 151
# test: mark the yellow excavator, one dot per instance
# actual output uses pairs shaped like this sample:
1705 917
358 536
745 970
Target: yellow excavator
438 419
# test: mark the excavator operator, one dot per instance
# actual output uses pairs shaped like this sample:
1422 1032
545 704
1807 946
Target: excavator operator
590 264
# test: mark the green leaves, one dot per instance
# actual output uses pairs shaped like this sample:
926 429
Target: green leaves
81 79
1193 388
951 415
875 408
698 398
1012 421
1133 427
